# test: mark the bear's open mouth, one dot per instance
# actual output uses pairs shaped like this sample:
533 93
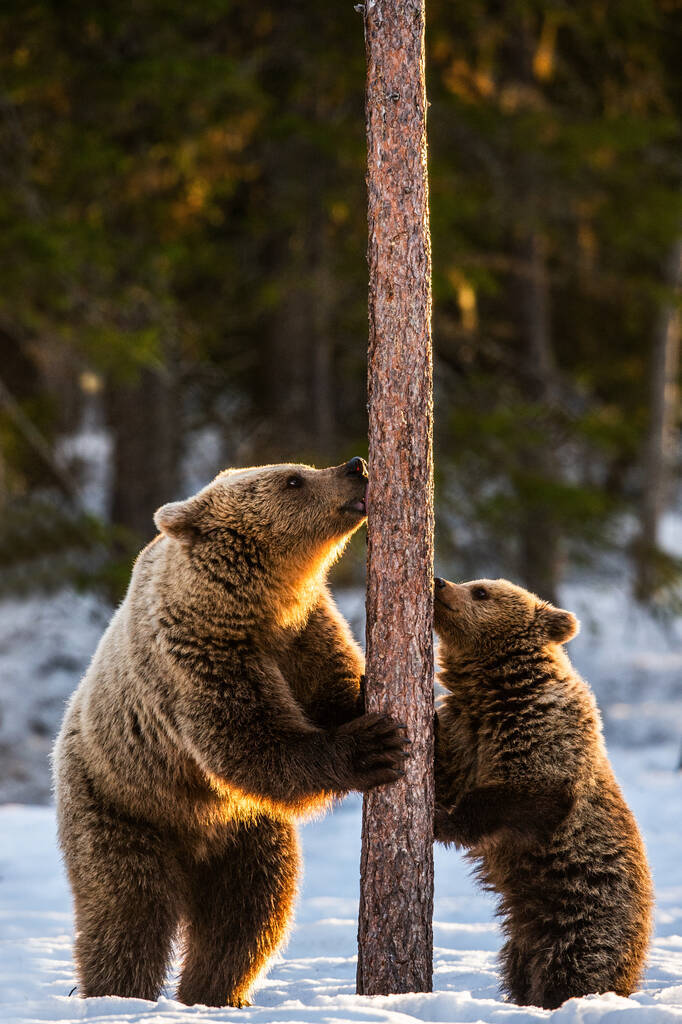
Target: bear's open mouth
359 505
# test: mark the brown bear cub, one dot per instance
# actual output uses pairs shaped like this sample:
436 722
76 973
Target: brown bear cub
223 702
523 782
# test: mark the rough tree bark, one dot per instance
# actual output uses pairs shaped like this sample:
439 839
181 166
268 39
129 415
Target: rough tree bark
660 447
395 938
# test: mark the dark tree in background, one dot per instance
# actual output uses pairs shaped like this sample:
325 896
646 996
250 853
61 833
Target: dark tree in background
395 939
662 438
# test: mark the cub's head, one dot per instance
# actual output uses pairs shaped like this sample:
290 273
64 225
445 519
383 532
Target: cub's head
276 510
486 616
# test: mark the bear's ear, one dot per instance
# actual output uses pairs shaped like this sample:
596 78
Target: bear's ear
558 625
178 519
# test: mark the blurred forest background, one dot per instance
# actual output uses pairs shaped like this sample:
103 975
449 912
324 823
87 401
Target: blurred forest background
182 257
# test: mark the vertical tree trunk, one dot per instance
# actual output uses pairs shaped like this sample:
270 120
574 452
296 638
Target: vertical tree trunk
663 420
539 534
395 941
145 420
323 391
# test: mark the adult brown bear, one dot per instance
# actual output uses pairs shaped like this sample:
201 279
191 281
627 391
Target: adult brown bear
223 702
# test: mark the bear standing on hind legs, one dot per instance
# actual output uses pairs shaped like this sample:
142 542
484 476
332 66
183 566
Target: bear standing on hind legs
223 702
523 782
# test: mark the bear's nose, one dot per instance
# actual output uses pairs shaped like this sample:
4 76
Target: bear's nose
439 581
356 467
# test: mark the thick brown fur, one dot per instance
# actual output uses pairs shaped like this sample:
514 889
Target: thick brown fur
223 702
523 782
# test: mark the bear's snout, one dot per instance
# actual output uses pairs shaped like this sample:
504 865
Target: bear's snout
446 594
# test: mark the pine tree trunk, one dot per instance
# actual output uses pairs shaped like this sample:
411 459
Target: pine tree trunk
395 940
145 420
540 465
539 534
662 433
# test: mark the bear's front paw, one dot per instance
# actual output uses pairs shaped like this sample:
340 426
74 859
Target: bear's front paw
375 748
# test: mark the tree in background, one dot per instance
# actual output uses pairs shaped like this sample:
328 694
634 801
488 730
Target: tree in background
661 446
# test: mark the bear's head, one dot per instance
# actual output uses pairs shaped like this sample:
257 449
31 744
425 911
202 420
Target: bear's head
490 616
268 525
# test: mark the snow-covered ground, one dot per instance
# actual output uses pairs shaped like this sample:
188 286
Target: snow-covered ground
314 979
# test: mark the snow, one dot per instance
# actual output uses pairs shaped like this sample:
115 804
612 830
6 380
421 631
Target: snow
314 979
46 642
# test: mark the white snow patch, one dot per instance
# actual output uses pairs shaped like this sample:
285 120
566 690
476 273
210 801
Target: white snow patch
46 642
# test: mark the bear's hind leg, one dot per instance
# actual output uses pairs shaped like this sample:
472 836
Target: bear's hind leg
238 908
126 895
515 979
571 970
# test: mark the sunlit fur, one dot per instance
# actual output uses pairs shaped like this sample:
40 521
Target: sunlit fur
523 782
223 702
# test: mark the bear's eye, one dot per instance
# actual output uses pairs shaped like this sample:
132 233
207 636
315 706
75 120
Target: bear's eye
295 481
480 594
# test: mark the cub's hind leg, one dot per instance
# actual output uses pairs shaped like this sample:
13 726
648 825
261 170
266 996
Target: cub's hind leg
568 965
515 973
239 904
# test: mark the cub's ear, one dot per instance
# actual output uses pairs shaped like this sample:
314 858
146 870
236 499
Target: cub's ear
558 625
178 519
